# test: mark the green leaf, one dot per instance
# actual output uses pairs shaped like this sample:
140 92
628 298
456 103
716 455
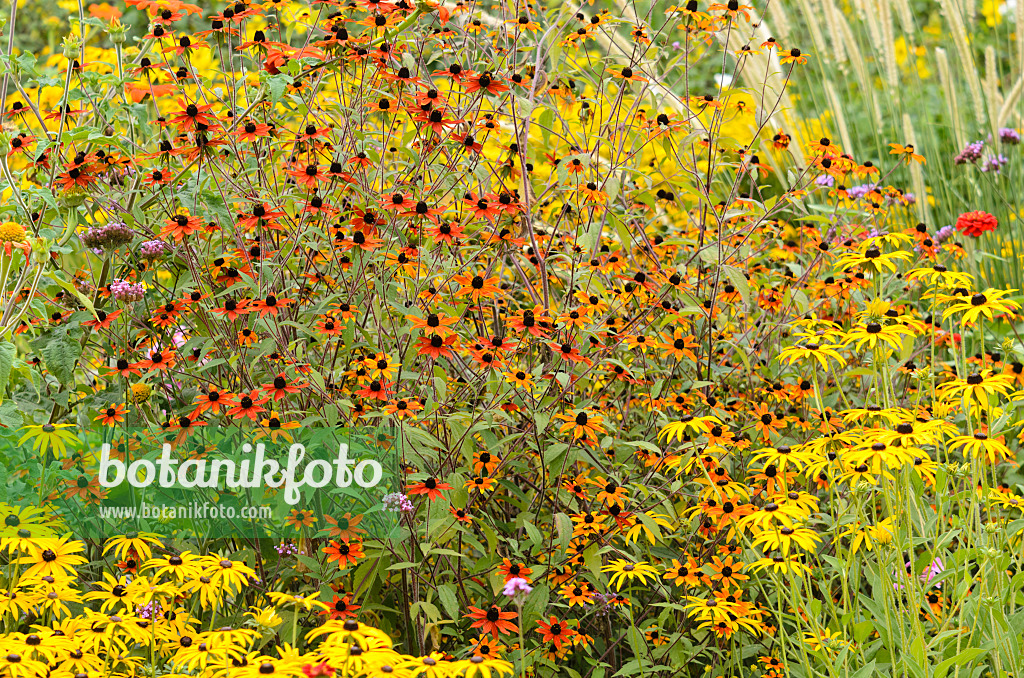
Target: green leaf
277 84
311 563
535 605
449 601
865 671
593 562
60 353
7 353
86 301
636 641
961 659
563 525
739 281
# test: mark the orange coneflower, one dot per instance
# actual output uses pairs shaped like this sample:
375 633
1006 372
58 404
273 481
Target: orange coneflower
492 621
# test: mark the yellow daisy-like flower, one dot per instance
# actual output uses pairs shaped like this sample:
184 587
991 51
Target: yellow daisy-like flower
54 558
139 542
625 572
479 667
987 304
306 603
49 436
820 353
980 446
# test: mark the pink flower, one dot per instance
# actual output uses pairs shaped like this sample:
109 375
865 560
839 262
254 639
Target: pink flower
933 570
515 586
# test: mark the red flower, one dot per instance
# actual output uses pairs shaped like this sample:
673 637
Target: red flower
976 223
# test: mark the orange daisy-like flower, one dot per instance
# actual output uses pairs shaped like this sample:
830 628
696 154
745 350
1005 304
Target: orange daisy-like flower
190 116
907 153
375 390
485 81
213 402
512 570
180 226
493 620
341 607
309 176
436 346
158 361
430 487
344 552
476 286
247 406
793 56
112 415
555 632
271 305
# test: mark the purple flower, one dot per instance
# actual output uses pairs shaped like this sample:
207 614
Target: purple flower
153 249
286 548
971 153
515 586
107 237
994 163
943 233
934 569
149 610
398 503
1008 135
858 192
825 180
122 290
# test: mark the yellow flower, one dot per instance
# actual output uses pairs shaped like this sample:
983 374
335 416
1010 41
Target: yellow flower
875 334
484 668
12 232
986 303
141 393
133 541
977 387
784 539
821 353
625 572
980 446
307 602
688 424
45 436
867 536
261 617
55 558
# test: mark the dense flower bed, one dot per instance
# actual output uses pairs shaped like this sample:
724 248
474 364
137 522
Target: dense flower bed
680 389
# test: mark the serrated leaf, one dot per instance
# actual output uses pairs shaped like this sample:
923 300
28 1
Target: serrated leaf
60 354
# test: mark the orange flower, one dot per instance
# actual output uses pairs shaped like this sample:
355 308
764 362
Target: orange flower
555 632
429 487
344 552
475 285
493 620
